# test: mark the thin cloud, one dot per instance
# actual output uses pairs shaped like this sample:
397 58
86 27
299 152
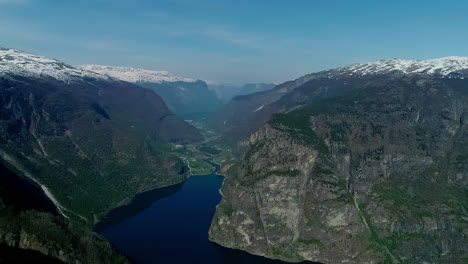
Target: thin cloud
176 26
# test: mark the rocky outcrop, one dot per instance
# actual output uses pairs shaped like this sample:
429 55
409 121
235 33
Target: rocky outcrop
378 176
277 208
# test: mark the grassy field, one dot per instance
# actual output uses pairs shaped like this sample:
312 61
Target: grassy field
198 156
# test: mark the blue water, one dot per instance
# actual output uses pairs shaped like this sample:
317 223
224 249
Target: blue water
170 225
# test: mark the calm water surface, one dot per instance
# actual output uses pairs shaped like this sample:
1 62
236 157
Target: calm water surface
170 225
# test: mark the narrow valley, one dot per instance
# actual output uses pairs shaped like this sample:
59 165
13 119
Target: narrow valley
233 132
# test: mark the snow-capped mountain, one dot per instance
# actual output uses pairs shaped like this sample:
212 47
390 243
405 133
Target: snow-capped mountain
448 67
16 62
56 121
184 96
250 111
135 75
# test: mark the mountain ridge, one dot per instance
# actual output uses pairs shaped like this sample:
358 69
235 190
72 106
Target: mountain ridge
184 96
239 117
134 75
449 67
17 62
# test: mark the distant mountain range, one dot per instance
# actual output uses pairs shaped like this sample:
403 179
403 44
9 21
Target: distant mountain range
243 114
184 96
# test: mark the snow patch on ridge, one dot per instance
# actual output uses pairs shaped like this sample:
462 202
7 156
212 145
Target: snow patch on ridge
260 108
16 62
135 75
443 67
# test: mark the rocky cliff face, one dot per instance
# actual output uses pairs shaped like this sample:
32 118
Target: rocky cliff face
378 176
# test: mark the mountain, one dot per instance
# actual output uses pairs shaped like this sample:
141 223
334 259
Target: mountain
91 142
448 67
243 114
366 164
227 92
73 145
182 95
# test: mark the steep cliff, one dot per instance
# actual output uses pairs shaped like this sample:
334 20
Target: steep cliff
377 176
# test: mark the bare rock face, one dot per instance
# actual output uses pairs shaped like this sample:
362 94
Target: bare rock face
377 176
274 208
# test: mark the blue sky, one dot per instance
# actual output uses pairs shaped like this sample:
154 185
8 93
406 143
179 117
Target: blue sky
235 41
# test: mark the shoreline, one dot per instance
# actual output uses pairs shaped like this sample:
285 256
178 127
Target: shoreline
128 200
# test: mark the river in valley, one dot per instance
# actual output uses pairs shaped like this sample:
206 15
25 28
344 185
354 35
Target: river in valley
170 225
